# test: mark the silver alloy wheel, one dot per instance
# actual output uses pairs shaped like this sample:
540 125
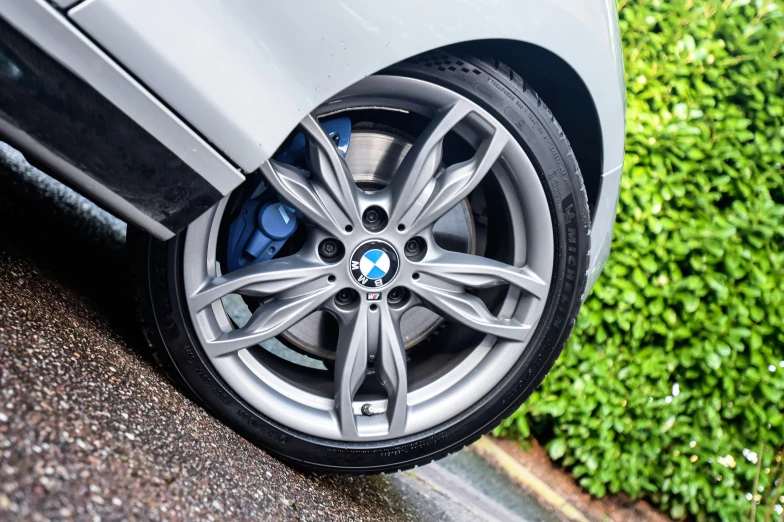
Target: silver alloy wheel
415 399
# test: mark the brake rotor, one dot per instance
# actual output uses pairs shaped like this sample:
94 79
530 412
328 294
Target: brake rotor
373 158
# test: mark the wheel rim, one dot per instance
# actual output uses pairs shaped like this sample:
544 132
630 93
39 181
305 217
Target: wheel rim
410 400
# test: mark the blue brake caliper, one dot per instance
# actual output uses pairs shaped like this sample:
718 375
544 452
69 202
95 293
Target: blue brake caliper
265 222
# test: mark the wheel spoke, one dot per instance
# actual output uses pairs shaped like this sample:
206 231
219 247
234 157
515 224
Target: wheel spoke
457 182
301 193
469 310
330 169
371 329
259 280
390 365
480 272
422 161
351 366
273 318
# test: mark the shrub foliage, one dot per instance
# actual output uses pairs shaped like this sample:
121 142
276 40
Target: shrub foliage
675 372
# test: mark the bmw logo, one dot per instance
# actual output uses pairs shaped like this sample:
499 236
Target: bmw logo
374 264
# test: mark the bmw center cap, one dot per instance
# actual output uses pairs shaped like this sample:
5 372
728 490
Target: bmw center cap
374 264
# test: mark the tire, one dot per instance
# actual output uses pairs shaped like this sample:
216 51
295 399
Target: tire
167 325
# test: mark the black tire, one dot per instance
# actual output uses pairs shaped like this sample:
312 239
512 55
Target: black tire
499 90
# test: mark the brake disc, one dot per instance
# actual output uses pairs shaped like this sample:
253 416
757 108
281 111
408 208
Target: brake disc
373 157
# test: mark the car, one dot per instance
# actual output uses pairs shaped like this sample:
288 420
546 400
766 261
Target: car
359 233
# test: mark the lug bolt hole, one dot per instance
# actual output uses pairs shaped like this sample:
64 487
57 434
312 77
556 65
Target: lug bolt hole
331 279
349 228
330 249
415 276
401 228
373 308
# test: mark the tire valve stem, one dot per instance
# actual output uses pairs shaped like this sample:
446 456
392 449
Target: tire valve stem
369 410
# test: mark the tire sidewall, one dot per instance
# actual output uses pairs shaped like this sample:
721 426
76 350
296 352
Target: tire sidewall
163 303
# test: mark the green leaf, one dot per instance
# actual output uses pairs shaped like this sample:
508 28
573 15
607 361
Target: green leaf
522 426
713 360
639 278
667 425
556 448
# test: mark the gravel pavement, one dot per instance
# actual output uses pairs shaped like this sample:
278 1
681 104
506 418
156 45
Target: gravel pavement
90 429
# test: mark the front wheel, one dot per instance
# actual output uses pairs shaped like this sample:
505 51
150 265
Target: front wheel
392 284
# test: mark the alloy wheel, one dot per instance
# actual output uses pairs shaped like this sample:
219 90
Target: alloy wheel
374 390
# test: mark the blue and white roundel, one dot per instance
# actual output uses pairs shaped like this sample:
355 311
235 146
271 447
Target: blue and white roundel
374 264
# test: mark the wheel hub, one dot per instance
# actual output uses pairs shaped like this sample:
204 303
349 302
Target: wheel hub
374 264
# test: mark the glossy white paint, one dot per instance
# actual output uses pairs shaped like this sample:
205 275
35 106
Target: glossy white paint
603 224
245 72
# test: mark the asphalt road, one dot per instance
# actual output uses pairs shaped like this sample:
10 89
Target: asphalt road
91 429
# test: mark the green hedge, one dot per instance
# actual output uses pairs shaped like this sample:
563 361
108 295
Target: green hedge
677 360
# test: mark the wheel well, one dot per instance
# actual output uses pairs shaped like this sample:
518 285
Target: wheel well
562 90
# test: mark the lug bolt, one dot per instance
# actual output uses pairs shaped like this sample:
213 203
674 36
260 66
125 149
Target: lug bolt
344 297
374 219
412 247
329 249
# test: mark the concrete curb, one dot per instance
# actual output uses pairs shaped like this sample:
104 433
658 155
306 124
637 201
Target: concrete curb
492 452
